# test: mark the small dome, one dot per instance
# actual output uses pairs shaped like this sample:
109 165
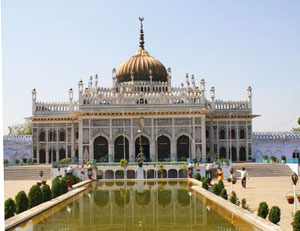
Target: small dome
141 64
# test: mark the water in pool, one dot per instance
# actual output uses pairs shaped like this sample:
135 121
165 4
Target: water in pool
136 206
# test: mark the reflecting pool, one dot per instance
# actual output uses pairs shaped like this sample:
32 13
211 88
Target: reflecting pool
136 206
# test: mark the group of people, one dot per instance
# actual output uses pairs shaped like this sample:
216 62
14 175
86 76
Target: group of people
220 174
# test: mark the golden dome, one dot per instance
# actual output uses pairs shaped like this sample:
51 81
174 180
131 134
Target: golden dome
141 64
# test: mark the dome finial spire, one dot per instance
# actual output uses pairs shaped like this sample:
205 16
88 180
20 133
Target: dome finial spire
141 33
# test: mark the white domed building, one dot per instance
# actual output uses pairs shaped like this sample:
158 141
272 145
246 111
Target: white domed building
142 109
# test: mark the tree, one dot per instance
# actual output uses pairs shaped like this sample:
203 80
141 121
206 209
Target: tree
21 129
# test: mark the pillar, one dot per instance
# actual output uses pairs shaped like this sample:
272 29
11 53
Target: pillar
173 150
80 147
131 151
203 138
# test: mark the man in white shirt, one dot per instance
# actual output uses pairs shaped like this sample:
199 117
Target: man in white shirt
244 174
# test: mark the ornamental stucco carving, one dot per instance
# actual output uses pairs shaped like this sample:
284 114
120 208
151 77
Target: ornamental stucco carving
100 122
85 135
183 121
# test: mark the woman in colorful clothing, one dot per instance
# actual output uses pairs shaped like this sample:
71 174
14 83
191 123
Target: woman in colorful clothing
220 173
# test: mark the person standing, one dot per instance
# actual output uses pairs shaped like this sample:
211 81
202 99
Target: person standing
220 174
244 175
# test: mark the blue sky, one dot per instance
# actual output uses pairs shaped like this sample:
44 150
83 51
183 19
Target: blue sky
51 45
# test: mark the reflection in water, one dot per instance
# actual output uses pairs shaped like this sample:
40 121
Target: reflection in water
152 206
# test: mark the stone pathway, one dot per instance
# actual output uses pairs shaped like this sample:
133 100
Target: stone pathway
12 187
269 189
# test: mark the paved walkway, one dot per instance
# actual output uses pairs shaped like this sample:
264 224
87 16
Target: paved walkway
269 189
12 187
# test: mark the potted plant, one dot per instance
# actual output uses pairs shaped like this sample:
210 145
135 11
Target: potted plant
24 160
17 161
290 197
298 196
283 159
233 180
265 157
273 159
228 179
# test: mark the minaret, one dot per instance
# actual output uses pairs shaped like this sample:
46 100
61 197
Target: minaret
91 83
202 89
114 78
249 90
96 83
80 90
71 100
212 96
169 78
33 100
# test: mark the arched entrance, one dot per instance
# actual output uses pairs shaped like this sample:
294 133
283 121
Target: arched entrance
62 154
100 149
233 153
163 148
42 156
222 153
183 148
52 155
145 146
120 148
242 154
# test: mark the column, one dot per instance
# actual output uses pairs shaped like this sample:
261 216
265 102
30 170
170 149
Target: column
72 141
131 151
152 150
203 138
173 150
193 149
80 147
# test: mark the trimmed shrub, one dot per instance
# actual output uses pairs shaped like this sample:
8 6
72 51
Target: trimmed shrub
274 215
73 178
35 196
233 198
64 186
204 184
5 161
24 160
223 194
296 222
22 202
215 189
10 208
198 176
220 185
17 161
56 189
263 209
46 193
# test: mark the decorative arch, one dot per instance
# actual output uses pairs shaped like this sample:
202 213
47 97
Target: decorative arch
62 154
258 154
296 154
233 153
183 147
62 135
52 135
120 147
222 134
242 134
145 145
42 156
42 136
223 153
278 153
163 147
242 154
233 135
52 155
100 149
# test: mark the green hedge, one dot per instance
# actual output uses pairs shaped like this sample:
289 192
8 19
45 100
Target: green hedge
10 208
274 215
73 178
46 193
215 189
35 196
223 194
204 184
198 176
296 222
22 202
233 198
64 186
56 189
263 209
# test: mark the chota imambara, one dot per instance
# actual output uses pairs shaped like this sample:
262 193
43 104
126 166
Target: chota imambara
142 109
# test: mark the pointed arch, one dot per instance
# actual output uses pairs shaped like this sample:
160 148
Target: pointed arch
242 154
100 149
183 147
145 146
163 148
42 156
120 147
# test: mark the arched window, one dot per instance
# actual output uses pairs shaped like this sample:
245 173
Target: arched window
222 134
232 134
42 136
144 142
164 148
296 154
223 153
242 134
62 154
207 134
42 156
77 135
52 136
242 154
62 136
121 148
183 148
